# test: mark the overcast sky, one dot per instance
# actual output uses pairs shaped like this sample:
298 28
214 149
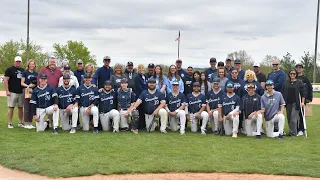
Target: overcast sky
144 31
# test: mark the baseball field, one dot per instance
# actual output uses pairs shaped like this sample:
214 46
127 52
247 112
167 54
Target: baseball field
84 154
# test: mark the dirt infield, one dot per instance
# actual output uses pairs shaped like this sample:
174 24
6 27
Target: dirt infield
8 174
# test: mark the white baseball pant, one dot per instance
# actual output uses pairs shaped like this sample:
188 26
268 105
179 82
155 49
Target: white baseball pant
53 115
270 126
231 125
163 119
204 116
86 118
105 120
253 127
214 120
175 119
64 118
123 120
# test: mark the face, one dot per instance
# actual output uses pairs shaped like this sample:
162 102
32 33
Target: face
107 87
66 81
216 86
175 87
256 69
87 80
292 74
80 66
43 81
190 71
173 69
106 62
152 86
213 64
66 71
124 85
32 66
269 87
228 63
251 90
275 66
118 70
299 69
234 74
130 67
203 77
179 64
196 76
238 66
141 70
229 89
17 63
157 70
150 70
89 69
250 77
52 63
221 73
196 88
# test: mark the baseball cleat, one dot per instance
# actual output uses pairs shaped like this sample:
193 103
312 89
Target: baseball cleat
258 136
135 131
55 131
203 132
300 133
234 135
280 137
20 125
73 130
115 131
163 132
182 132
95 131
215 132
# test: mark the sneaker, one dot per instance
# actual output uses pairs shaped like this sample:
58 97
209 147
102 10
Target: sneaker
20 125
73 130
182 132
135 131
95 131
31 127
55 131
300 133
280 137
115 131
78 127
215 132
27 127
10 126
203 132
48 124
164 132
234 135
124 129
258 136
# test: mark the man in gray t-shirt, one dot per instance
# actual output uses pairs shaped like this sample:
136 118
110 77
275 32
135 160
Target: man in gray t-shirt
272 104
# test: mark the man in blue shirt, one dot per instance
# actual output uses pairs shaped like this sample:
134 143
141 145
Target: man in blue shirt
212 71
238 67
278 76
102 74
182 73
79 72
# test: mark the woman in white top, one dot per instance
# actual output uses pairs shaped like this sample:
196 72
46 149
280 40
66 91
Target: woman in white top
73 79
205 85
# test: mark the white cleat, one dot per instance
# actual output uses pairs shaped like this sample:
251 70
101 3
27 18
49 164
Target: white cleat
203 132
234 135
10 126
72 131
300 133
182 132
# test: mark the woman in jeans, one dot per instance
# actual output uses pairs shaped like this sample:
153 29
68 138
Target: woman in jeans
29 81
293 95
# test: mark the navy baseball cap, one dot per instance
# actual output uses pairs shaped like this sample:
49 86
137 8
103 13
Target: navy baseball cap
66 76
87 75
299 65
237 61
216 81
213 59
43 76
151 65
220 63
107 82
130 63
230 85
124 80
175 83
196 84
66 67
269 82
151 80
229 59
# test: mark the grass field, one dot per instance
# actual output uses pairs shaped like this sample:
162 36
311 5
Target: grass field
316 95
82 154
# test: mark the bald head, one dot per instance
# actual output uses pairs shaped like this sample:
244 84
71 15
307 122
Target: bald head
275 64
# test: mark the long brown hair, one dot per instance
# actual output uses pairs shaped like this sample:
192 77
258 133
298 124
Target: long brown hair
30 61
176 75
160 75
205 81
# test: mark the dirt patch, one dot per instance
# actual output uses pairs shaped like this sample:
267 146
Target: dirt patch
8 174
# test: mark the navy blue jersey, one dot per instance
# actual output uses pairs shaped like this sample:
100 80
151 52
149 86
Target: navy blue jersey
107 101
195 103
211 73
30 77
229 103
174 102
150 102
87 95
214 98
66 96
250 104
125 98
43 97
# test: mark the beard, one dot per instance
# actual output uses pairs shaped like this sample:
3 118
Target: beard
152 87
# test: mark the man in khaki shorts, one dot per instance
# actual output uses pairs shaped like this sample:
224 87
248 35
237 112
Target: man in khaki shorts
12 85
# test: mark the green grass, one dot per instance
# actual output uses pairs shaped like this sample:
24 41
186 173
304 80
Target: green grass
84 154
316 94
1 87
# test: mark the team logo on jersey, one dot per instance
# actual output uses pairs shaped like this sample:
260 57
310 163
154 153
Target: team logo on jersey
182 75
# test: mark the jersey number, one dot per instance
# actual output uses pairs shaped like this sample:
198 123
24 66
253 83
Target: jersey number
156 102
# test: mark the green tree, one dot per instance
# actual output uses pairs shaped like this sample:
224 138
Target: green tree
244 57
73 51
287 62
307 61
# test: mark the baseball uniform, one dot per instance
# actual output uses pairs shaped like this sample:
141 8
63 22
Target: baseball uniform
125 99
174 102
213 98
194 104
108 110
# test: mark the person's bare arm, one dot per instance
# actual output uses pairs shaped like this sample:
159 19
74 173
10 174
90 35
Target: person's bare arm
6 86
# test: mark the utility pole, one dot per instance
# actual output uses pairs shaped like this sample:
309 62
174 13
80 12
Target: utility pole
28 30
316 46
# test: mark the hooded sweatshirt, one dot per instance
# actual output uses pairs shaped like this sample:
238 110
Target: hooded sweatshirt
130 75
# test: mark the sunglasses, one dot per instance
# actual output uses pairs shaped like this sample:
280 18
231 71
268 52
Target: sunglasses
292 73
234 73
251 86
275 64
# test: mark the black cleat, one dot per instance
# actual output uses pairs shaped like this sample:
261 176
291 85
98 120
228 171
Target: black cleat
280 137
215 132
95 131
55 131
258 136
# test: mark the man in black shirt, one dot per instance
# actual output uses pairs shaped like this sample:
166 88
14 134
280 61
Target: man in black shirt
187 81
262 78
12 85
150 70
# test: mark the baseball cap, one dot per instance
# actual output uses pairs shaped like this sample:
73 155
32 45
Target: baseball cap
220 63
196 84
151 80
216 81
175 83
256 65
107 82
213 59
124 80
79 61
66 76
151 65
43 76
251 85
130 63
299 65
179 61
269 82
66 67
229 59
230 85
106 58
17 58
87 75
237 61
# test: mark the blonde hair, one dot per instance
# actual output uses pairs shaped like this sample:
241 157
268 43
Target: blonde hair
117 66
30 61
92 66
139 67
250 73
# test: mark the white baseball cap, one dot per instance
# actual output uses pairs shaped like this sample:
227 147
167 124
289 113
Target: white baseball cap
256 65
18 58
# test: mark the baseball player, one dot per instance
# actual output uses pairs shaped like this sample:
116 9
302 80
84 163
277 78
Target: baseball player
196 105
153 102
44 102
125 99
107 107
68 107
250 107
229 109
213 98
272 105
175 107
87 97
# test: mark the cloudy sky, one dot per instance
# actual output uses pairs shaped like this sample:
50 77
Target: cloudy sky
144 31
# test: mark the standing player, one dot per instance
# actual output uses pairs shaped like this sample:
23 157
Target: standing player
68 107
272 105
107 108
153 102
229 108
250 106
125 99
196 105
213 98
44 102
175 107
87 97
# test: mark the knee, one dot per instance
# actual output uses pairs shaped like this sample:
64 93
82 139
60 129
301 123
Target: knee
215 113
204 115
94 110
75 110
281 117
182 113
115 113
162 112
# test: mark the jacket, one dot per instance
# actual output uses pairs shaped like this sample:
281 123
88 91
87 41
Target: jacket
140 84
299 89
131 76
101 75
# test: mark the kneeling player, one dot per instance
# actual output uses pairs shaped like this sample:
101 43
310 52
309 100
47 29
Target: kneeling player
67 105
272 104
250 106
229 107
196 105
44 102
175 107
107 108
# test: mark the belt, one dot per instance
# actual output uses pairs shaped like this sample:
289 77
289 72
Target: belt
124 109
